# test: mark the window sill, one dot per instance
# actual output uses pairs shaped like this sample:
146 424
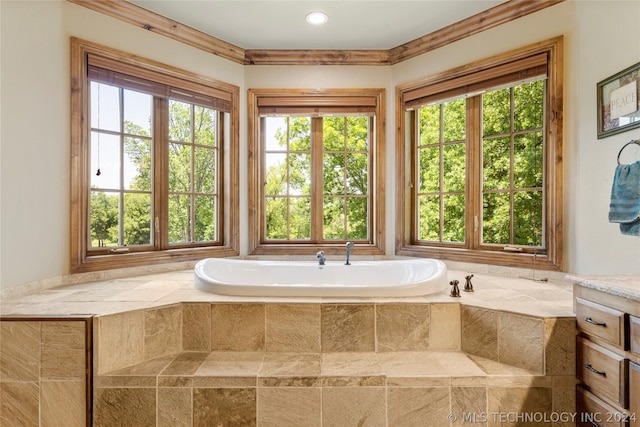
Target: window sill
506 259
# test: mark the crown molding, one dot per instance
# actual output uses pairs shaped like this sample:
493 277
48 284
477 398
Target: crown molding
151 21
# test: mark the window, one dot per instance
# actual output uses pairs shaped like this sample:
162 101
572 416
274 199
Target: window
153 164
481 166
319 164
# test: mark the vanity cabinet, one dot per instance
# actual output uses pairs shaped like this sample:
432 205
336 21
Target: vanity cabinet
634 393
607 357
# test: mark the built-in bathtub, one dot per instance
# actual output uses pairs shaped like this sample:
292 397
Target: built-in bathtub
384 278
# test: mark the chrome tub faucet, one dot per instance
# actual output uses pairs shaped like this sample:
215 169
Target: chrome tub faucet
349 246
320 257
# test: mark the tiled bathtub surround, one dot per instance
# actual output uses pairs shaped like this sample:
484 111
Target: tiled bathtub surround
328 364
43 372
166 354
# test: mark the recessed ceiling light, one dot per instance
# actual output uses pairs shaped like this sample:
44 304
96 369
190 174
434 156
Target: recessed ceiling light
317 18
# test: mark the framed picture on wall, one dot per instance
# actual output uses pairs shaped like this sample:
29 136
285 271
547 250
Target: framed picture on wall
618 96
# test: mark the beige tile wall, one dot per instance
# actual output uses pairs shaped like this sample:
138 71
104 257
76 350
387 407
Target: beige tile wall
527 342
288 364
43 371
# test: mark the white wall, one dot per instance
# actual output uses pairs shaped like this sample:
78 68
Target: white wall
35 122
601 38
607 41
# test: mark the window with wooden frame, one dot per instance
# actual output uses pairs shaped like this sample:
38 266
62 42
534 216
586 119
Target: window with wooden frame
154 162
480 161
316 158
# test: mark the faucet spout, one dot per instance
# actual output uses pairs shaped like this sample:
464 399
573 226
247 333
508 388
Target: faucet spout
349 246
320 257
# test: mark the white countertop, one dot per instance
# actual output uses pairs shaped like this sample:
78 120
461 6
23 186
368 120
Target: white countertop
622 286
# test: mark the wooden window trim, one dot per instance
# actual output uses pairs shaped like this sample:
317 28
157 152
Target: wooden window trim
80 260
552 260
294 100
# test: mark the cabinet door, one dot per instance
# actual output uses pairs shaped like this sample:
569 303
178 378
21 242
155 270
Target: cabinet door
635 334
634 394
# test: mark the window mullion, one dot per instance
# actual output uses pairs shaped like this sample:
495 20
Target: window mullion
474 172
317 182
121 170
512 153
160 173
192 176
441 173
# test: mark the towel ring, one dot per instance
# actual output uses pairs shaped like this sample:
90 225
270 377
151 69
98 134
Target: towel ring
633 141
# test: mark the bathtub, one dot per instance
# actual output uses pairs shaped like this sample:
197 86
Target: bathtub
388 278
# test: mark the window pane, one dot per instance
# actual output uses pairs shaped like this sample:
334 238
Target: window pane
357 218
527 161
453 227
204 170
496 160
496 222
179 121
358 135
527 221
137 113
300 219
205 228
454 120
299 134
204 126
333 133
137 219
299 174
357 174
429 126
105 107
276 174
179 167
334 218
276 133
429 218
104 219
429 169
276 218
528 101
179 218
105 157
454 167
334 174
137 164
496 112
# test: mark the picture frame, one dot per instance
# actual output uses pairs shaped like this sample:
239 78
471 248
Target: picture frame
618 108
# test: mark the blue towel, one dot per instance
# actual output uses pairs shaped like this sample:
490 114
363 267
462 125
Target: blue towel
625 199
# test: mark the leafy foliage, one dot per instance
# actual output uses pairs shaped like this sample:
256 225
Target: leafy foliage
123 215
512 168
289 179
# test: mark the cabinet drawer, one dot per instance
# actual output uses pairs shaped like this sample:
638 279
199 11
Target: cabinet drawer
592 411
634 394
602 371
634 334
601 321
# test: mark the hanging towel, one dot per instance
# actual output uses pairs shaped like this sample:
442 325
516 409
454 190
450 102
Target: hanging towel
625 199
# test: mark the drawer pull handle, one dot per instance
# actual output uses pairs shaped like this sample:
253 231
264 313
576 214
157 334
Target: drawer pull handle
593 322
594 370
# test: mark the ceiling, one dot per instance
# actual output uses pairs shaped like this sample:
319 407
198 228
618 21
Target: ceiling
352 24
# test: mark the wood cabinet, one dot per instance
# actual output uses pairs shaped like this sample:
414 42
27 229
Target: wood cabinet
607 359
634 394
